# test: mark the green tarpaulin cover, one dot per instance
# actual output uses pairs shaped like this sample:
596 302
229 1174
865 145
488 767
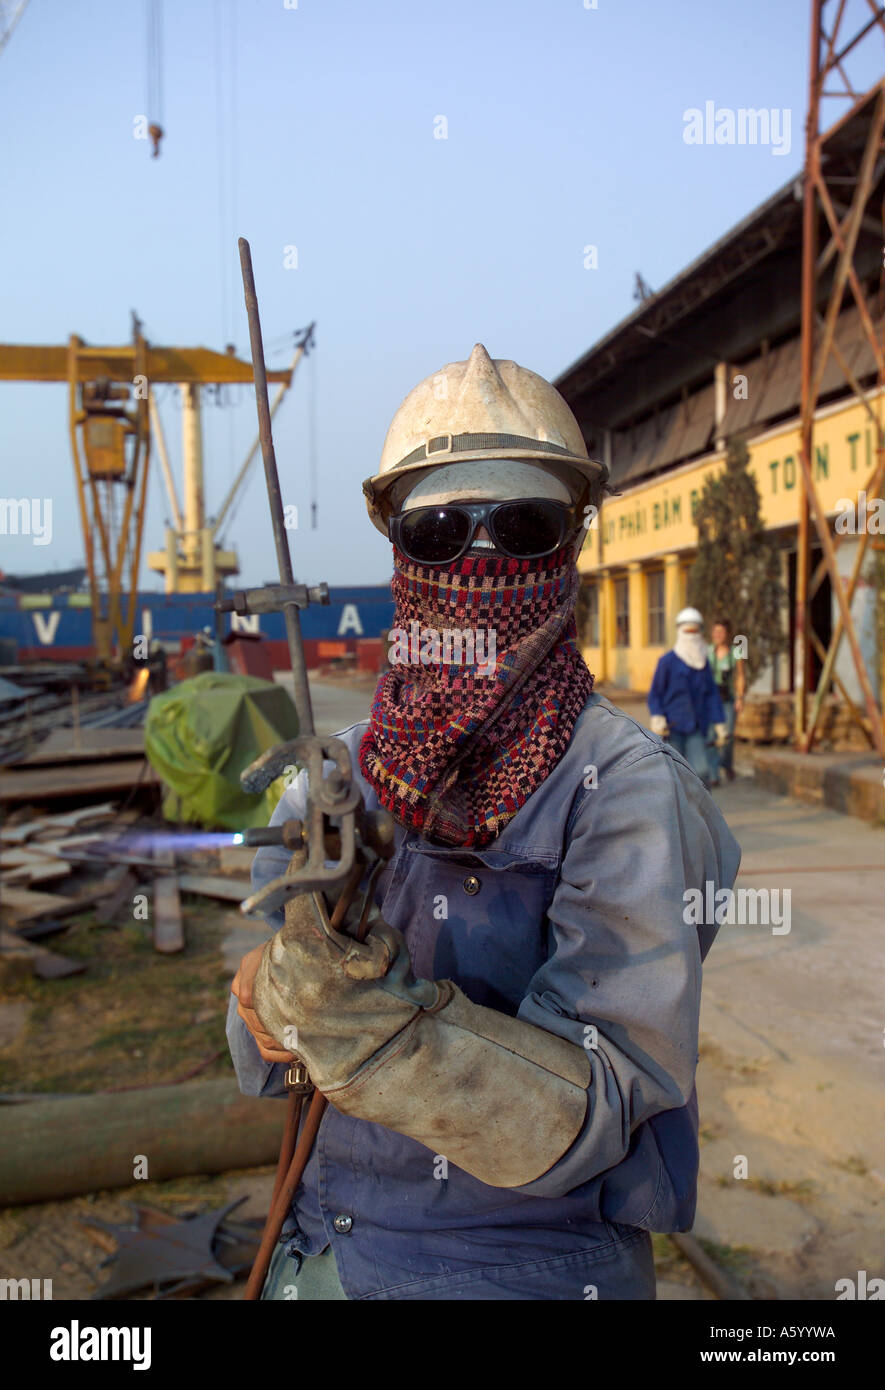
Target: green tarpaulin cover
200 735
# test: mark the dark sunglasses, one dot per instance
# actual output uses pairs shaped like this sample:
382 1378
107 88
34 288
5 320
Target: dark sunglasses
526 529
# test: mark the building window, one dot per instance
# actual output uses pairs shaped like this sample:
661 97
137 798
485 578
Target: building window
588 615
622 612
654 591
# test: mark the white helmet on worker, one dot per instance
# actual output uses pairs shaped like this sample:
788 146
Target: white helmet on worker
689 617
690 645
481 428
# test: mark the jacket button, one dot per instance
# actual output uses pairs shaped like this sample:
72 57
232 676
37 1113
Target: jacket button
472 884
342 1223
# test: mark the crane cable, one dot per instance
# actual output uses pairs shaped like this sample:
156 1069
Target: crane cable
225 60
154 19
312 440
222 191
226 137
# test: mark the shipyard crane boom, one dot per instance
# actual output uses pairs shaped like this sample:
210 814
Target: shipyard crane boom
302 348
109 392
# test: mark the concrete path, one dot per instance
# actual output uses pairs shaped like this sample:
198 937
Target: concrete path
335 705
792 1053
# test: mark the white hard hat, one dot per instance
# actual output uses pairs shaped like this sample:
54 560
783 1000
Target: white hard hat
689 617
479 409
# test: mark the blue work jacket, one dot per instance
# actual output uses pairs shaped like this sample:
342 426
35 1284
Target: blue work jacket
578 919
687 697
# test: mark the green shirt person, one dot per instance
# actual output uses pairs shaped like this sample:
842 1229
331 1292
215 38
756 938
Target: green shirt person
728 673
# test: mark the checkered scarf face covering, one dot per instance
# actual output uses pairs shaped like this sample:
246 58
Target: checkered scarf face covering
453 750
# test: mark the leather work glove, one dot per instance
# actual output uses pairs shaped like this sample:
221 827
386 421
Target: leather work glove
502 1099
659 725
721 733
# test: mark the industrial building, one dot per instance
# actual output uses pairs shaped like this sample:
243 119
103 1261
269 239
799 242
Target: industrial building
716 354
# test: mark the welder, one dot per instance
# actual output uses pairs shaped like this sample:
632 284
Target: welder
512 1101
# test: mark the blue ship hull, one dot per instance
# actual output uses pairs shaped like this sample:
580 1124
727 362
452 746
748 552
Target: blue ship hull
58 626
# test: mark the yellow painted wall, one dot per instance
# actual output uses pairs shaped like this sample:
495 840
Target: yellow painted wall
655 521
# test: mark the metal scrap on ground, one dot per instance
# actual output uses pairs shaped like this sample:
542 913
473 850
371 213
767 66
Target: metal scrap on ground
173 1257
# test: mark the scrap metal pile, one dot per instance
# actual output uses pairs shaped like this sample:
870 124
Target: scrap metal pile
96 859
50 714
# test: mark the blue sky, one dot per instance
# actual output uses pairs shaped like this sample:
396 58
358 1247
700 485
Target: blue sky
565 129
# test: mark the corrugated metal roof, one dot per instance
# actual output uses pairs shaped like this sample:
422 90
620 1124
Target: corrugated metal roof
685 429
678 432
774 380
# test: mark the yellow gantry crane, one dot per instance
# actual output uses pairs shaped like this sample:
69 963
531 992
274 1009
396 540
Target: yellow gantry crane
110 421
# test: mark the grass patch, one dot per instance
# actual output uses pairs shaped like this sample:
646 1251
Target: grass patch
134 1018
798 1191
735 1258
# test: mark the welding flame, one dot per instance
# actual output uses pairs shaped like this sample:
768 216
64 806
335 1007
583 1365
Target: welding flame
186 841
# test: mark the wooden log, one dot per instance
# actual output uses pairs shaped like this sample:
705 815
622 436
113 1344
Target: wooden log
61 1148
168 926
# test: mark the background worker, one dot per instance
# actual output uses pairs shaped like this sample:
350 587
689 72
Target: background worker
683 701
511 1085
730 680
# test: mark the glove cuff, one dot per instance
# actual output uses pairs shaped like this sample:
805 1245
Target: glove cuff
500 1098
